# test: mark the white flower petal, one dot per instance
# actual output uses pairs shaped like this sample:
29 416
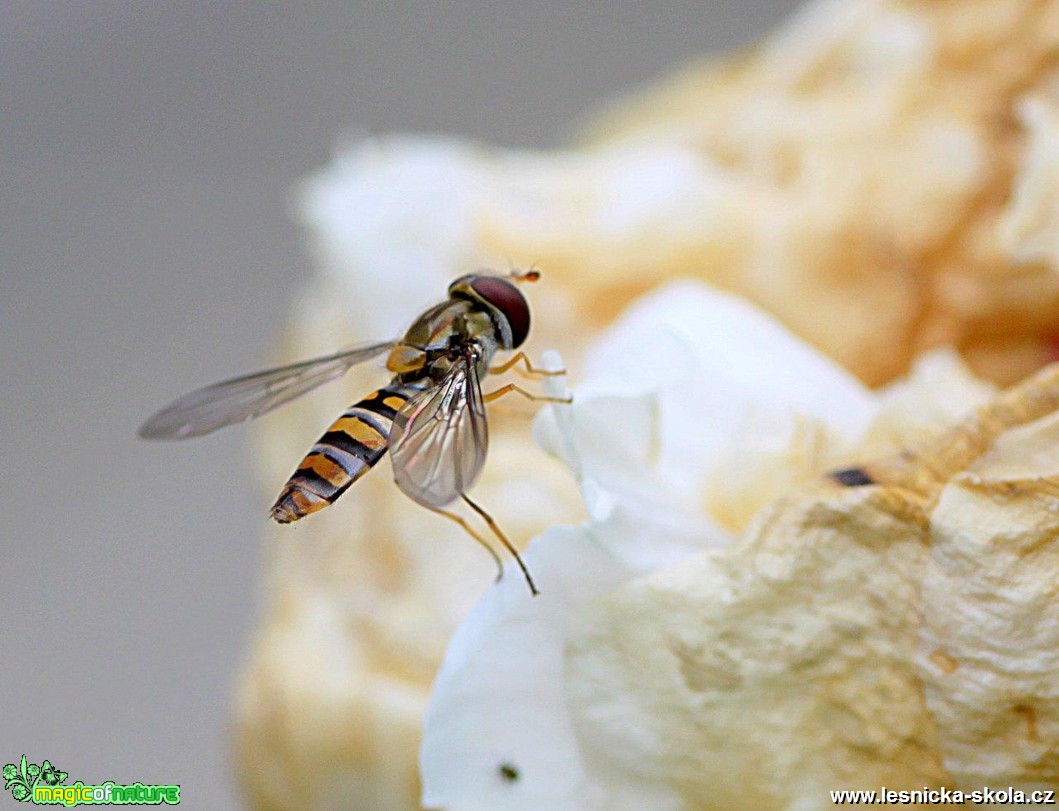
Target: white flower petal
499 697
740 354
688 380
393 223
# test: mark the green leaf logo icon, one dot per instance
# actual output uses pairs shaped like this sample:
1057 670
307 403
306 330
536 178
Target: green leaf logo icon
50 775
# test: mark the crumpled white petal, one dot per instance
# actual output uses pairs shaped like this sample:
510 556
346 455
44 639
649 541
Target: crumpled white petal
671 389
392 223
1029 229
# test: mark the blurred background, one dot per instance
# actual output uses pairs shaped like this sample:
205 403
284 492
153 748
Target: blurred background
149 152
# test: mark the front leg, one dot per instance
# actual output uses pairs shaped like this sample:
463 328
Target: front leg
530 368
511 387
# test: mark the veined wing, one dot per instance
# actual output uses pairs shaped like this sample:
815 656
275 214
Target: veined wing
440 437
248 396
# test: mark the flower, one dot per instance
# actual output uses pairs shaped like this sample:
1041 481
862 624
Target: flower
686 381
734 173
10 771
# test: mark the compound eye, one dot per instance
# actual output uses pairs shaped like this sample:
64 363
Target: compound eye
507 298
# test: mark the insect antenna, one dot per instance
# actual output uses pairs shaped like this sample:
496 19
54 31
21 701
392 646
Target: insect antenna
503 539
531 275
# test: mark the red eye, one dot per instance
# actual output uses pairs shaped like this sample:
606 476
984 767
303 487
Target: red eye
503 295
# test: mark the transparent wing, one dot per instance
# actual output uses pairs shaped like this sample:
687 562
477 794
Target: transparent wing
243 398
440 437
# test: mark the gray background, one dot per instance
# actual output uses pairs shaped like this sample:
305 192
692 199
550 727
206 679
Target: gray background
147 152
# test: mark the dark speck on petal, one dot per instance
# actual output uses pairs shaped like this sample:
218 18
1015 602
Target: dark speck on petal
852 477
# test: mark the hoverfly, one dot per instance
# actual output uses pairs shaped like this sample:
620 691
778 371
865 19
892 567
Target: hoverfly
431 416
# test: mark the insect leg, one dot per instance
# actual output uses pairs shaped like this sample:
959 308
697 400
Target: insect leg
467 528
503 539
510 387
530 368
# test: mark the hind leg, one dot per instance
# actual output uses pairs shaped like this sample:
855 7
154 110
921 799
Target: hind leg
503 539
456 519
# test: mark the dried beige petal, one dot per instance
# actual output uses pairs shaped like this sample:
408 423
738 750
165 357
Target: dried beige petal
870 151
766 673
938 391
318 726
990 606
903 634
990 600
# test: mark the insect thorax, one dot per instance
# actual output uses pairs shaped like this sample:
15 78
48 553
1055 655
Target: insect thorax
444 332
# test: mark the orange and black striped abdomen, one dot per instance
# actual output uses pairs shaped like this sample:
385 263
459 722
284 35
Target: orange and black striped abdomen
347 450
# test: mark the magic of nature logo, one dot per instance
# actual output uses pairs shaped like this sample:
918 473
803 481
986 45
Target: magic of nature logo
45 784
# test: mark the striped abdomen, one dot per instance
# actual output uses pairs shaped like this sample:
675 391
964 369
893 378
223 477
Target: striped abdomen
354 442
